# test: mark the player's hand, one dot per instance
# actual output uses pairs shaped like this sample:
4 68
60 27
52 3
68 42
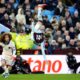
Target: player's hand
41 6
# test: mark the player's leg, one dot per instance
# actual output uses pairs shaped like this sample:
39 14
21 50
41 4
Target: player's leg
4 66
76 67
7 66
43 52
6 72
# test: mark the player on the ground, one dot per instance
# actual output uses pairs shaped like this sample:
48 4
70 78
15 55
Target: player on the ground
9 50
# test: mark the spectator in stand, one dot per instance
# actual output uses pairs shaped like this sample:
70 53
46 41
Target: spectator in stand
21 20
35 3
9 8
6 21
27 5
62 24
78 6
28 18
46 22
77 28
13 20
51 5
72 33
68 18
67 40
57 34
14 34
21 2
53 46
63 30
59 9
64 11
13 5
60 41
43 1
66 33
54 23
78 37
2 10
72 43
75 18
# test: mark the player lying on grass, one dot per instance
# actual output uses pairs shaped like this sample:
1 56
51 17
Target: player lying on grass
9 50
20 66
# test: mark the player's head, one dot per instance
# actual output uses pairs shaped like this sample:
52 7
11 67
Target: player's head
70 54
6 37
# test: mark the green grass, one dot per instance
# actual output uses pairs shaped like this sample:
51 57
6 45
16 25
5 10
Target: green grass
42 77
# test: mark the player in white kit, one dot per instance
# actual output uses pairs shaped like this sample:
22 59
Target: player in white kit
9 50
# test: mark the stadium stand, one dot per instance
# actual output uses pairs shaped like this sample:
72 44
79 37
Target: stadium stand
61 21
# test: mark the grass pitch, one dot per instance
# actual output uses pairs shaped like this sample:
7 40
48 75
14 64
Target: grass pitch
42 77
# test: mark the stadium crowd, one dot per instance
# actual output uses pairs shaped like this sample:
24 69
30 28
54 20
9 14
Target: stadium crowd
61 19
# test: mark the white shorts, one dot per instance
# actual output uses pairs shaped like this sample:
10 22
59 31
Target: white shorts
8 60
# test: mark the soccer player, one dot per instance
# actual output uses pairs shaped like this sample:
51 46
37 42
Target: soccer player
38 30
9 50
72 62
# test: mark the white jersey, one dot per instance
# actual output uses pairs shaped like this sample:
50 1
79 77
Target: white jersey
8 52
36 29
9 49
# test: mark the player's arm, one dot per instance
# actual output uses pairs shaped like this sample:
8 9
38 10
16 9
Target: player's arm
33 26
13 48
40 8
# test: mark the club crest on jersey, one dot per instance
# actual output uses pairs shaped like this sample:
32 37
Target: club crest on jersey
38 37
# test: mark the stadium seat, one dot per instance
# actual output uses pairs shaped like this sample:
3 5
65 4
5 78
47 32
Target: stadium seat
48 13
72 9
4 28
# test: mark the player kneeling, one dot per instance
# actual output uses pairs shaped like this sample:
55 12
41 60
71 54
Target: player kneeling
9 50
